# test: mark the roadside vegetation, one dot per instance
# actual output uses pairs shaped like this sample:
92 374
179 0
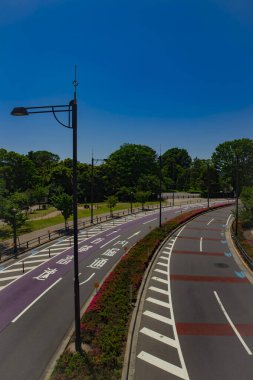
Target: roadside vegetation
104 326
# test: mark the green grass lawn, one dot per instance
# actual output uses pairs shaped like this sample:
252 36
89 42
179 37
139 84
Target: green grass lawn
39 213
34 225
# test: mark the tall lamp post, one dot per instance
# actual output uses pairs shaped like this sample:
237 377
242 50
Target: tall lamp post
71 109
160 191
237 197
93 161
15 250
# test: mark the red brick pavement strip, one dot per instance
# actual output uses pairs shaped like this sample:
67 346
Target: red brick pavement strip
213 329
199 253
185 277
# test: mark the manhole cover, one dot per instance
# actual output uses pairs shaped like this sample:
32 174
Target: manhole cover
221 265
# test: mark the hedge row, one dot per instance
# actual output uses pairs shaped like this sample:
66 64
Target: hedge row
104 326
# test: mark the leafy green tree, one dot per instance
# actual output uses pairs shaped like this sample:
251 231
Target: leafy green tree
246 213
20 200
124 167
111 202
176 163
63 203
61 178
142 197
234 161
12 214
17 171
40 194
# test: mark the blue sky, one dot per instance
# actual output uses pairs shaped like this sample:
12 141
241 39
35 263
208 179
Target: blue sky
161 73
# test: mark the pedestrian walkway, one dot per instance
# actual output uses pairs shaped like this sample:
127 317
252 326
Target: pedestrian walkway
44 235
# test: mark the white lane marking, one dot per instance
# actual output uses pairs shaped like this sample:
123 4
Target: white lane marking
158 290
162 264
9 278
158 302
231 324
158 317
113 232
33 261
136 233
160 280
163 257
210 222
161 271
161 338
230 216
36 299
152 220
201 245
81 283
16 270
46 254
102 246
162 364
166 253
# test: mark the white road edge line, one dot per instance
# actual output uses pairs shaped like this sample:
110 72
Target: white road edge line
102 246
210 222
81 283
152 220
32 303
231 324
201 245
230 216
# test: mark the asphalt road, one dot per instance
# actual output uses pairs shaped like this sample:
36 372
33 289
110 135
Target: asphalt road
36 307
197 316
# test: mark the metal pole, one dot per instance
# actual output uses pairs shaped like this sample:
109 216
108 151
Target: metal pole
76 270
15 234
131 194
237 198
208 187
92 190
160 191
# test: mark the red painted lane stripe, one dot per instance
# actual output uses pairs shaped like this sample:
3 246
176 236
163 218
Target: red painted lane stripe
203 228
213 329
199 253
185 277
196 238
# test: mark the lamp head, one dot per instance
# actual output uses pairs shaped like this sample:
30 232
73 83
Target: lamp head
19 111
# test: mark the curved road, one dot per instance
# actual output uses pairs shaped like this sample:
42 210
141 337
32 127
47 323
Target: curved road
197 317
36 307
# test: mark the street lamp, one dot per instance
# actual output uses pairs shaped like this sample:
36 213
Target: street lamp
15 233
71 109
131 202
93 161
160 191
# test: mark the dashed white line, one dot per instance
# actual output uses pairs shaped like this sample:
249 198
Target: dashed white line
160 271
116 237
152 220
36 299
210 222
201 245
231 324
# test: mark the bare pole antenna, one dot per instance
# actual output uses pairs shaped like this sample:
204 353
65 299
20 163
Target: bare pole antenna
75 83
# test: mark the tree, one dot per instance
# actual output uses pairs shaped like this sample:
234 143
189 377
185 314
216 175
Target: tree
12 214
40 194
176 163
17 171
246 213
63 203
111 202
142 197
234 160
124 167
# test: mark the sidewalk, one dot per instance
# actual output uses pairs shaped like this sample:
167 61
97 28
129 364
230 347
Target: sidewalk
45 235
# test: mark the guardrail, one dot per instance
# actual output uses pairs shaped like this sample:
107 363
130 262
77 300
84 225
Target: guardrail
242 251
25 246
